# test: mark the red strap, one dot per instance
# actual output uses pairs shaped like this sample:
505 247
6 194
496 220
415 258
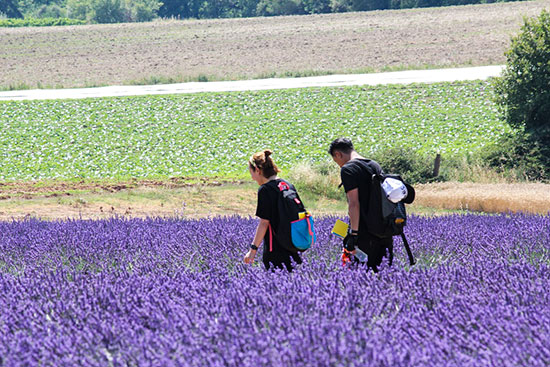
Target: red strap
309 229
270 238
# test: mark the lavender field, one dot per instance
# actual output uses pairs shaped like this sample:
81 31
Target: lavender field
174 292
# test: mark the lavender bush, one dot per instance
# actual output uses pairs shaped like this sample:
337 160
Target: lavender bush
173 292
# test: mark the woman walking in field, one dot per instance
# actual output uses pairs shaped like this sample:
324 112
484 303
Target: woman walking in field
264 171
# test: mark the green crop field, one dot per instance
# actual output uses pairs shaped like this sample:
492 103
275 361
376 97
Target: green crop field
212 135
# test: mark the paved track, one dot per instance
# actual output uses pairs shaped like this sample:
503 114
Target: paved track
398 77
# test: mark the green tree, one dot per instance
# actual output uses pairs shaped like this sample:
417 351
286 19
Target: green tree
340 6
248 7
280 7
113 11
523 90
51 11
78 9
141 10
219 9
107 11
9 8
316 6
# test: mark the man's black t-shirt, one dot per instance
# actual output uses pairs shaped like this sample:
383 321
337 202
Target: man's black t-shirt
268 209
355 174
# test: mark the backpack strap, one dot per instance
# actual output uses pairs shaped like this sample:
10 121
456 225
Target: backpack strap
270 238
412 261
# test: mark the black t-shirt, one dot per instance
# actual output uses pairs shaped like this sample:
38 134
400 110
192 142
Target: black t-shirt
267 208
355 174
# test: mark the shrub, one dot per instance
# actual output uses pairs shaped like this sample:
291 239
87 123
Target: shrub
51 11
142 11
114 11
516 155
107 11
321 179
279 7
43 22
523 92
412 166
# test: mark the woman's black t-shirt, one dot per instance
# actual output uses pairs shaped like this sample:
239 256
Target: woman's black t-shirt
268 209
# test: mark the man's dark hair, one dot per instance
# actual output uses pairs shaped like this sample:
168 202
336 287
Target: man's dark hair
343 145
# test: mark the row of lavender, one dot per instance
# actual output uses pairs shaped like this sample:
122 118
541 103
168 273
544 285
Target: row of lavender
168 292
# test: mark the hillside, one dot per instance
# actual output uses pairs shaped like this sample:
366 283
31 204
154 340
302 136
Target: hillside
172 51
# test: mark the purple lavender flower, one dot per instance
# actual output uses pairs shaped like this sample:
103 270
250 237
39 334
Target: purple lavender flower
173 292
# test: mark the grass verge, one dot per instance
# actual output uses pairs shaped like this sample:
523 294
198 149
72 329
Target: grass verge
240 199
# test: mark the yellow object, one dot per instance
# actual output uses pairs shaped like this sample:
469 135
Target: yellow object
340 229
302 215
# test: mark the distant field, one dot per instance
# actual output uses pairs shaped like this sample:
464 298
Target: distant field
172 51
212 135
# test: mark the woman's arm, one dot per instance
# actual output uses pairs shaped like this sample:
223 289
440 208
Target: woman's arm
258 237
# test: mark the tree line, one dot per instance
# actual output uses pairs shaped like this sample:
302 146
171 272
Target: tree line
115 11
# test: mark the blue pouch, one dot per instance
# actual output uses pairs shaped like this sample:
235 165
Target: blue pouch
302 232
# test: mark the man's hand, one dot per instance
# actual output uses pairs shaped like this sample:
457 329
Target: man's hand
249 257
350 242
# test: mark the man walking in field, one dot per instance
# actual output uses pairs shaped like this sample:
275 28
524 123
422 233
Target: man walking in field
356 174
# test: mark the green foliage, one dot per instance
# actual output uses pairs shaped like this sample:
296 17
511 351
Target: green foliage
114 11
279 7
109 11
320 179
142 11
518 154
214 134
9 9
316 6
523 91
43 22
411 165
51 11
106 11
78 9
341 6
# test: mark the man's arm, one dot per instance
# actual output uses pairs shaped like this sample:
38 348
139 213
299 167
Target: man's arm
353 208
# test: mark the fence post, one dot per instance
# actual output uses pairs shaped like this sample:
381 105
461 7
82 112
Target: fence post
437 163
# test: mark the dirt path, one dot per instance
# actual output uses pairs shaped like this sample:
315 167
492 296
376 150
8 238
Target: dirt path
234 49
398 77
149 198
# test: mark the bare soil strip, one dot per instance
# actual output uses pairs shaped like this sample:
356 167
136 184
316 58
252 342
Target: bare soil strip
230 49
153 199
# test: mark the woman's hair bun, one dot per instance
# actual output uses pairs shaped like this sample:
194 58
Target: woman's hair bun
267 152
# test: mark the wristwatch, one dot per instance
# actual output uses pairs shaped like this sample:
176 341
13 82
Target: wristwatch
254 247
354 232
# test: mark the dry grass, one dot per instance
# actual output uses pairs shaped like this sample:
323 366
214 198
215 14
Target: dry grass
140 201
244 48
145 201
240 199
486 197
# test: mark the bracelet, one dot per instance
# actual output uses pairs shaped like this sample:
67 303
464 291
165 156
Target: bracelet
354 231
254 247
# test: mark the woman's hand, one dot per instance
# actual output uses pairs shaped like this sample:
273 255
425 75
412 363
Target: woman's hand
249 257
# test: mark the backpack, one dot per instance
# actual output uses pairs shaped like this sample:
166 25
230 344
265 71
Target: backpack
296 230
386 218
